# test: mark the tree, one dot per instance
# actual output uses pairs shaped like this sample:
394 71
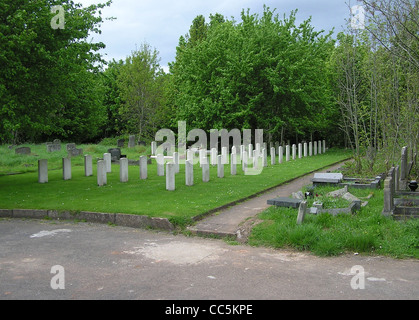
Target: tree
48 79
263 73
142 86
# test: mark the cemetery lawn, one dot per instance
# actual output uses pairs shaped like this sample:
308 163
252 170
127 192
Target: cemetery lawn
366 232
148 197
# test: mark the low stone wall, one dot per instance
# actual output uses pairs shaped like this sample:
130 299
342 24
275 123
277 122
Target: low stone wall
119 219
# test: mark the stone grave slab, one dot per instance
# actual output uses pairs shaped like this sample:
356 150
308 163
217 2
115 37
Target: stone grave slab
23 150
285 202
327 178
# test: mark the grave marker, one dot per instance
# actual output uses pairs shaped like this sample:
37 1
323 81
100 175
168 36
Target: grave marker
280 154
88 166
23 150
189 173
131 141
108 162
123 170
301 212
273 157
43 171
233 164
160 165
220 167
143 167
205 172
67 168
170 176
101 173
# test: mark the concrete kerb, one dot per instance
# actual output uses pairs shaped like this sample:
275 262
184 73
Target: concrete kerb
119 219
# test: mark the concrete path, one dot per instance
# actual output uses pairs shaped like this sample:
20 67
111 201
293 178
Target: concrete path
228 222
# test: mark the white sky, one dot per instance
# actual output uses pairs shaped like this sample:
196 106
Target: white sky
160 23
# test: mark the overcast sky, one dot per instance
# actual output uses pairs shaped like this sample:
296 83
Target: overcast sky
160 23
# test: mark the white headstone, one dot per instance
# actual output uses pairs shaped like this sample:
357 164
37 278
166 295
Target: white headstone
220 167
273 157
67 168
108 161
265 157
205 172
123 170
176 161
43 171
101 173
280 154
153 148
189 172
160 165
143 167
88 165
214 156
233 164
170 176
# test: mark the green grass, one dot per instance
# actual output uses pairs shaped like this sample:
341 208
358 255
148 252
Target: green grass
145 197
15 163
367 232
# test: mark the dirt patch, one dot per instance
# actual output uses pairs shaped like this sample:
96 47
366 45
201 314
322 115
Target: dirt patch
246 227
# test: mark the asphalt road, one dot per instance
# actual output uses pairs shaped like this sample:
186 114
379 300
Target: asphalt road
78 261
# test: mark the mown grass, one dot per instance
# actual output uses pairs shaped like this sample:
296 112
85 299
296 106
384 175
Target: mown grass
146 197
366 232
15 163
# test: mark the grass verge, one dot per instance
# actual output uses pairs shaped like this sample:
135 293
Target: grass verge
366 232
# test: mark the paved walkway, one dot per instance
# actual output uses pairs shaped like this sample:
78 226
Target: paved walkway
228 222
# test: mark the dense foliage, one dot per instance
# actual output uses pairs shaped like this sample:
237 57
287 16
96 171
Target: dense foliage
262 73
49 85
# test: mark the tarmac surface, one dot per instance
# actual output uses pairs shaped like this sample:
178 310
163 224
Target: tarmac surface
53 260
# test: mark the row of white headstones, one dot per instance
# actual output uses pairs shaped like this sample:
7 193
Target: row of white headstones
252 162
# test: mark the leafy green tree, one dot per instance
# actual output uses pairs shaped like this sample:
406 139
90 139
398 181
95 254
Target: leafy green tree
263 73
48 78
142 86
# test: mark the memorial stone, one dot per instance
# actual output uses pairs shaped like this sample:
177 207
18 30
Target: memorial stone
88 166
101 173
23 150
123 170
170 176
220 167
67 168
43 171
131 141
108 162
205 172
189 173
143 167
